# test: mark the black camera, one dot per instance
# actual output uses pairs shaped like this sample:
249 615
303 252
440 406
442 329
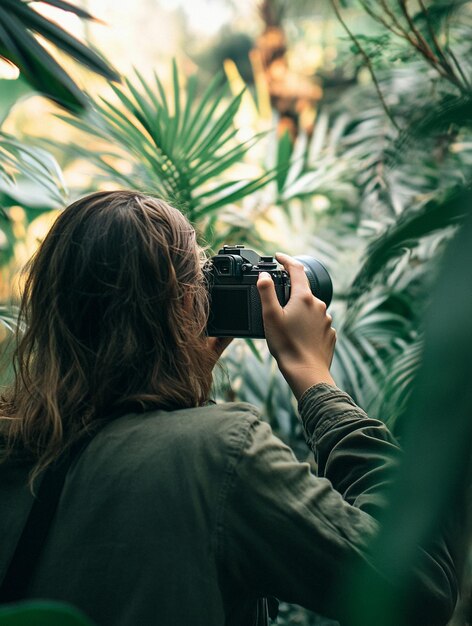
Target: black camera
235 305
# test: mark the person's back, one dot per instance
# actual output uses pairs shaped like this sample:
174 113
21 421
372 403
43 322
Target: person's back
134 540
180 511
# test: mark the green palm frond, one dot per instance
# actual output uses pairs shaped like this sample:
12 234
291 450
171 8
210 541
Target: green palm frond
179 146
370 336
20 24
399 382
408 230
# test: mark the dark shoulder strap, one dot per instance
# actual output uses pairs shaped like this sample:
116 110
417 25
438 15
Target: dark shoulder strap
36 529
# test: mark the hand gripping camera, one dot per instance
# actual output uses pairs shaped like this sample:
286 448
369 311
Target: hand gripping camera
235 305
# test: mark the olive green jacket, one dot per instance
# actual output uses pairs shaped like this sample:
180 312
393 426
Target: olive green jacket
186 518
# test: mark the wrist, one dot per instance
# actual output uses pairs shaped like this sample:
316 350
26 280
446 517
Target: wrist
302 377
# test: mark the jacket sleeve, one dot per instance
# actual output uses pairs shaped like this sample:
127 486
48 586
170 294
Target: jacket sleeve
288 533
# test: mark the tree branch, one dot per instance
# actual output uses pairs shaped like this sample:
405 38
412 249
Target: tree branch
367 60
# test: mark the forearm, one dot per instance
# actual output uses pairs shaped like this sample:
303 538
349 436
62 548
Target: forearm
301 377
360 457
357 454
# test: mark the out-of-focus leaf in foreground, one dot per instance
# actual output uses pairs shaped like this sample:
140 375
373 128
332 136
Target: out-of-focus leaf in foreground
430 493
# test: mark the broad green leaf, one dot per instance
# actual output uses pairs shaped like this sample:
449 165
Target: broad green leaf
63 40
18 20
67 6
38 66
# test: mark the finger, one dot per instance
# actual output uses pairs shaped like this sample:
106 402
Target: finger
269 300
298 279
219 344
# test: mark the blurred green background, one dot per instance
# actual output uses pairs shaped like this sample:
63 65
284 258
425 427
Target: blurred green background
338 129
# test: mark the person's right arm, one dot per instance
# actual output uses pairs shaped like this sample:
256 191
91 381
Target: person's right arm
294 535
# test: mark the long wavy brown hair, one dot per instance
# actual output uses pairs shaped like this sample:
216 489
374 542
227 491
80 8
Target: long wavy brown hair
114 310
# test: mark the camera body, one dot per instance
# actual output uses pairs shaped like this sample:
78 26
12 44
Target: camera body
235 305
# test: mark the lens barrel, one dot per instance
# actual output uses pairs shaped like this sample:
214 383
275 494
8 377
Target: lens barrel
318 277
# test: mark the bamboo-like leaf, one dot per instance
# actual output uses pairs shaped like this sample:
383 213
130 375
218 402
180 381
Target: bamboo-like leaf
253 348
203 162
162 93
350 374
183 152
213 169
140 108
121 127
160 106
38 66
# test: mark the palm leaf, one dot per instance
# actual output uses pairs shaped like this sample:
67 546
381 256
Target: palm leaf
185 145
408 230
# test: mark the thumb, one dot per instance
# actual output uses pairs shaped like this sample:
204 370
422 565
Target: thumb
270 302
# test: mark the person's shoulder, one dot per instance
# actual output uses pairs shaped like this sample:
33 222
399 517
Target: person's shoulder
222 411
216 424
215 434
219 420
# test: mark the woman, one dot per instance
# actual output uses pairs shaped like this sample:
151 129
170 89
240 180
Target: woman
178 511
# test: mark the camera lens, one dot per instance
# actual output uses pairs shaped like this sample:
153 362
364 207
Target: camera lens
318 277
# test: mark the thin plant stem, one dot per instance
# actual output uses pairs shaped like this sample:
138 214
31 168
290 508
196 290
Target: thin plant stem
459 68
367 60
439 51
